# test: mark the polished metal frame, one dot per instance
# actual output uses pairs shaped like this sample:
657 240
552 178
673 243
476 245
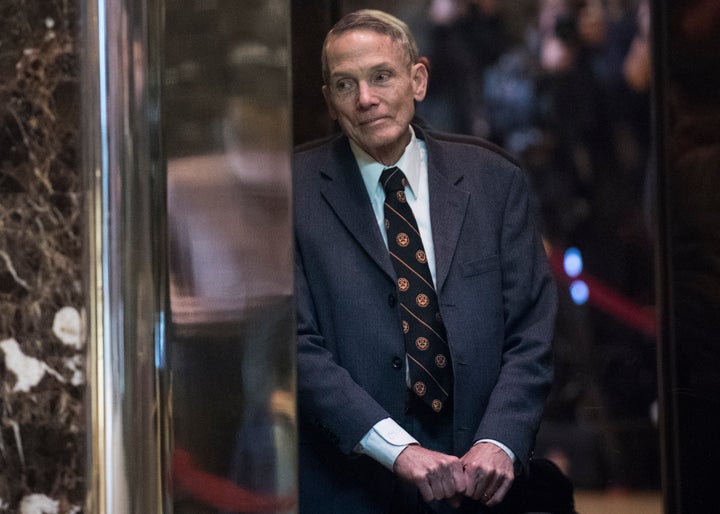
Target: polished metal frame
128 434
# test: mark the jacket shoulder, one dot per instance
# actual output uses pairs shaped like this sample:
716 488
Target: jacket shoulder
473 143
316 147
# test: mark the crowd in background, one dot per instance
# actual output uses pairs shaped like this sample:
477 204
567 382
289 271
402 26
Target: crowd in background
564 85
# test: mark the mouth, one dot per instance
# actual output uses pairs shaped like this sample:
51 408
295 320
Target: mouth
373 121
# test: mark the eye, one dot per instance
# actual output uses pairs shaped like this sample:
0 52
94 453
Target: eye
343 86
381 77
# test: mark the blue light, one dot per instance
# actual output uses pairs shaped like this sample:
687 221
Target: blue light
573 262
579 292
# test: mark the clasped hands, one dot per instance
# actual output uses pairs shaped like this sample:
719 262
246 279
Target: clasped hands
484 473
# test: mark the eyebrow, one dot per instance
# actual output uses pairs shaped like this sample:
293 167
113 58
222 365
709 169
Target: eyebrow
381 66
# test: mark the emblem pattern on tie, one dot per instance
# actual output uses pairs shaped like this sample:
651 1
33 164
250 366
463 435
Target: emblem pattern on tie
426 347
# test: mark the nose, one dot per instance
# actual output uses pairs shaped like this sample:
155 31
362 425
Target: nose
366 96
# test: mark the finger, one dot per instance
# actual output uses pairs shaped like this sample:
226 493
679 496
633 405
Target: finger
500 493
491 486
456 501
471 485
450 479
425 490
459 479
481 483
484 497
443 484
472 488
448 488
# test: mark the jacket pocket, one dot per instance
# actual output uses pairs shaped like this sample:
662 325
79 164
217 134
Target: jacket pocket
479 266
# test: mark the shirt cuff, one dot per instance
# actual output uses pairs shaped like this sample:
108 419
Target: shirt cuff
384 442
504 448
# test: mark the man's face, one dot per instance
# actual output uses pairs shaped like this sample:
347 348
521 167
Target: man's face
371 91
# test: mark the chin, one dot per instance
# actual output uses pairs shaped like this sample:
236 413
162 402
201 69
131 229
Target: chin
384 140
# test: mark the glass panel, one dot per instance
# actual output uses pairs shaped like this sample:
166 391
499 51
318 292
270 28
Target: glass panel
226 118
687 102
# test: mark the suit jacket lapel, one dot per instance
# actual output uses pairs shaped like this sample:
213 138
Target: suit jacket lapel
448 204
345 192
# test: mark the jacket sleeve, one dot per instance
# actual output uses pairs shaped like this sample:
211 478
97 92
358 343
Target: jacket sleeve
529 304
329 400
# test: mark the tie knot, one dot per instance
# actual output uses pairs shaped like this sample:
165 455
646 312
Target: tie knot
393 179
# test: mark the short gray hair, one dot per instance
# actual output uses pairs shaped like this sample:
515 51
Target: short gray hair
376 21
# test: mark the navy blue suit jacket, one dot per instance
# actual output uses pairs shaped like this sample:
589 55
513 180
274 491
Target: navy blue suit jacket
496 298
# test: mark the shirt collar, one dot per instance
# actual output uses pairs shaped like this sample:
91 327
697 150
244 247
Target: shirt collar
410 163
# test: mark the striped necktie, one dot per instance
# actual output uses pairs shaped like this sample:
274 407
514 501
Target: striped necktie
426 347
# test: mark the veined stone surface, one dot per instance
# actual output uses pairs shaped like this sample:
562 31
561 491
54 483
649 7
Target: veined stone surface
42 417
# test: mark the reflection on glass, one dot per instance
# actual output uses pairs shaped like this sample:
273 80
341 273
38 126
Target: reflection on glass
688 140
226 125
564 86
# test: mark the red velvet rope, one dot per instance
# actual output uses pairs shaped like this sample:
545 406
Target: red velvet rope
640 318
219 492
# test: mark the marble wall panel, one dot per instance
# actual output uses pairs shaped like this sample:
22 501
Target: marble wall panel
42 415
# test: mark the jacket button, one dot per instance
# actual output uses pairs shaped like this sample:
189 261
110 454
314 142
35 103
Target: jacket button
392 300
397 362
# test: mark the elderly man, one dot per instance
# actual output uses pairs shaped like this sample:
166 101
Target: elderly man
425 308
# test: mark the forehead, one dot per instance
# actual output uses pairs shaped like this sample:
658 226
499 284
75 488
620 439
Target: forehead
363 47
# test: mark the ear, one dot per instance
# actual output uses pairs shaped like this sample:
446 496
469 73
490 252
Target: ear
419 74
328 100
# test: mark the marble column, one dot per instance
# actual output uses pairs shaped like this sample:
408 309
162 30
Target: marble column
42 428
